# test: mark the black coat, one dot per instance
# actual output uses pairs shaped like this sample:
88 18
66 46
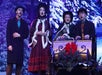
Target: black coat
89 29
71 31
16 55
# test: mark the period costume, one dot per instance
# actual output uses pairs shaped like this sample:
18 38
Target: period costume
88 29
66 30
40 52
20 26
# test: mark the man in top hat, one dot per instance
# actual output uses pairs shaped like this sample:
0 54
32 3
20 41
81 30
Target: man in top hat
16 32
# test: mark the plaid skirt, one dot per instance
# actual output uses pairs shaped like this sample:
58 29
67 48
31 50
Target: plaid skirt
39 58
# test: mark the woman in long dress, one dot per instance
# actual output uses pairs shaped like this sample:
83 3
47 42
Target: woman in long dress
40 44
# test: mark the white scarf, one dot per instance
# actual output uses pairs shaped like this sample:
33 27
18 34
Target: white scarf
65 26
44 43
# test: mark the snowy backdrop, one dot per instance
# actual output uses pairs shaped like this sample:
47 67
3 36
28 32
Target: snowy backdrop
7 11
94 8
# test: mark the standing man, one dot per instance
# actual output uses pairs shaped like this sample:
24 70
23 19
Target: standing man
17 31
85 30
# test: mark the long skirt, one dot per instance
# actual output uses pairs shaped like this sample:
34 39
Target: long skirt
39 58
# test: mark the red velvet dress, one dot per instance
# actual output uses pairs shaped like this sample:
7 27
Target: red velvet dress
39 57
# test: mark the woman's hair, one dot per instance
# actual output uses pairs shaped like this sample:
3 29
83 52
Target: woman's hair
68 13
44 6
82 10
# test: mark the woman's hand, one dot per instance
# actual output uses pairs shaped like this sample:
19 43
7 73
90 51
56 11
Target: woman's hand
60 37
41 33
78 37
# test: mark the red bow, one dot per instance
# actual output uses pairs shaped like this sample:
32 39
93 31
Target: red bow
70 48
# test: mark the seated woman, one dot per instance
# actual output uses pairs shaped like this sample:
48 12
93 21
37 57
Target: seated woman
66 29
